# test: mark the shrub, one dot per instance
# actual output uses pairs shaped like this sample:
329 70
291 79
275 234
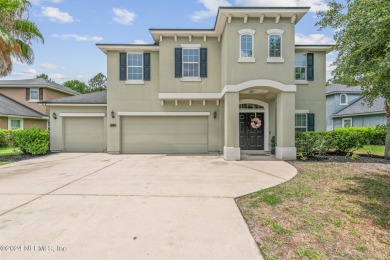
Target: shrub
344 141
6 138
309 144
33 141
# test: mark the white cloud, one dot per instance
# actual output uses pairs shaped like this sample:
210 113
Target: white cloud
139 42
316 5
211 7
315 38
122 16
48 66
56 76
78 38
55 15
28 73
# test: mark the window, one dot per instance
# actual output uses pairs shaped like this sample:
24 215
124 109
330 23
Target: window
300 66
343 99
251 106
134 66
275 43
34 94
246 46
191 63
300 123
15 123
347 122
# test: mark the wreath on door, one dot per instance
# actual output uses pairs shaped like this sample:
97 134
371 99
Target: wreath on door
255 123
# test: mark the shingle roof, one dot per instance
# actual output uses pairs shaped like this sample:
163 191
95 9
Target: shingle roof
91 98
338 88
37 82
10 107
361 107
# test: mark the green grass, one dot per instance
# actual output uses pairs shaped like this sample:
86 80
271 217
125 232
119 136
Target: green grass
9 151
372 150
4 163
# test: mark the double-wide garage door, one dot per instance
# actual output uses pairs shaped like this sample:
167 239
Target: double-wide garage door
84 134
164 134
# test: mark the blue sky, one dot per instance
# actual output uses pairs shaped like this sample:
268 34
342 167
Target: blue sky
72 28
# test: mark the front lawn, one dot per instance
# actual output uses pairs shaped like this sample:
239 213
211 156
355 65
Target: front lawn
378 150
329 210
9 151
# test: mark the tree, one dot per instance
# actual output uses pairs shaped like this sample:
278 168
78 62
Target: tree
77 85
44 76
97 83
362 35
16 34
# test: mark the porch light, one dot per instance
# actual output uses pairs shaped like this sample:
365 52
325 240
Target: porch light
215 114
54 115
113 114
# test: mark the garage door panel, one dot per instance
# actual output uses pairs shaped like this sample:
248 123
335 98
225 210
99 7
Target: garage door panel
164 134
84 134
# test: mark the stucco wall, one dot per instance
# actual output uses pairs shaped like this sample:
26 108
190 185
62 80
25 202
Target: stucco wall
3 122
30 123
369 120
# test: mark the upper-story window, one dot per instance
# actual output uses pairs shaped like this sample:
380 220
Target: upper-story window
34 94
275 45
191 62
134 66
343 99
300 66
246 45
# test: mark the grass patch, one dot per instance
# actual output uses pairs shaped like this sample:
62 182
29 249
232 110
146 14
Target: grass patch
9 151
4 163
378 150
328 211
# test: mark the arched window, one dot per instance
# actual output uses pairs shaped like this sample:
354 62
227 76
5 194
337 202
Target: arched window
275 45
343 99
246 45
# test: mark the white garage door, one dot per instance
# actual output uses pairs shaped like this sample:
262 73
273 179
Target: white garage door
84 134
164 134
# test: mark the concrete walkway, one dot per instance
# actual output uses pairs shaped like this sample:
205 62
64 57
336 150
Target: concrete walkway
100 206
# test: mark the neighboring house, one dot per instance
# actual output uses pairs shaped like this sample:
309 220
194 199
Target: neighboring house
198 90
20 108
346 107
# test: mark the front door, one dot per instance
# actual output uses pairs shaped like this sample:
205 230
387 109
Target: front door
251 131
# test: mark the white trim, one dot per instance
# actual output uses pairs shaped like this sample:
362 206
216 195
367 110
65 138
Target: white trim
191 46
275 31
135 82
164 113
361 114
15 118
73 105
327 48
275 59
27 117
189 96
346 100
33 100
189 79
302 111
301 82
345 119
259 83
128 48
246 59
82 114
266 116
247 31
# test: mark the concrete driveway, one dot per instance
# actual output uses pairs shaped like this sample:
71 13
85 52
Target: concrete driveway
100 206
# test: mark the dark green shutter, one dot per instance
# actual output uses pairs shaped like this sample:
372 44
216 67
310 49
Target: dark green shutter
122 66
310 122
310 66
203 62
178 62
146 66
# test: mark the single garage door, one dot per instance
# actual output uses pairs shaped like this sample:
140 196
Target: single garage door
165 134
84 134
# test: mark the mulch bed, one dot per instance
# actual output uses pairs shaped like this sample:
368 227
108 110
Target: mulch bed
347 159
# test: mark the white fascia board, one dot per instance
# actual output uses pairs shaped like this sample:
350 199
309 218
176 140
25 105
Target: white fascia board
128 48
325 48
82 114
164 113
189 96
360 114
27 117
72 105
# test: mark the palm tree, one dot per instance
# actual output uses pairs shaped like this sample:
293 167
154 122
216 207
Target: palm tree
16 34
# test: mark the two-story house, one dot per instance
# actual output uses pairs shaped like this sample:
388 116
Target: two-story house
19 102
346 107
229 89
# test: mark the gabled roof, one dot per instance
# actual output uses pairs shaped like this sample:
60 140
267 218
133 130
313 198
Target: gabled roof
338 88
37 82
360 107
10 107
83 99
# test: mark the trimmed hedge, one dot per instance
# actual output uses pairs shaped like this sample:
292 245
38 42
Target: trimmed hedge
341 141
32 141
